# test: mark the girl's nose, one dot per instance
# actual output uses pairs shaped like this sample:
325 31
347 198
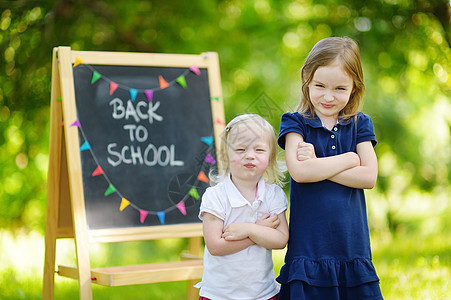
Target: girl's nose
328 96
250 154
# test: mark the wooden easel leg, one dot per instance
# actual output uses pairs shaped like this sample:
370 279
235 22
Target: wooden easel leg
192 293
53 184
195 246
74 167
49 266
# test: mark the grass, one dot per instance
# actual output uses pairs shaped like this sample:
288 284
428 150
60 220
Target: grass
410 266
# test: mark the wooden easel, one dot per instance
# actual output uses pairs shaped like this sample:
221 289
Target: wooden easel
66 215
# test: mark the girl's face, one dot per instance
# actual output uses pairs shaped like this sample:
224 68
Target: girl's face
248 152
330 90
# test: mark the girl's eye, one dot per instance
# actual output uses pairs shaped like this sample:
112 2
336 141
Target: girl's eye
260 150
239 150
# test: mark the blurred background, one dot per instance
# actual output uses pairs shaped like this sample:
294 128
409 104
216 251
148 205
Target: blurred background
406 55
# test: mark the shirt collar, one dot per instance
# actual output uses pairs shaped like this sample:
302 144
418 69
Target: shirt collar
316 122
235 197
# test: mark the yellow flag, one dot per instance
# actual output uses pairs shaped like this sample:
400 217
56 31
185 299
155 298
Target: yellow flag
124 204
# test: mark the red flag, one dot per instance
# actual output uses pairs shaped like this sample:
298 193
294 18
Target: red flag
113 87
97 171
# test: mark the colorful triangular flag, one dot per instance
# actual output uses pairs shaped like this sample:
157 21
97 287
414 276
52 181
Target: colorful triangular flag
210 159
79 61
142 215
193 193
163 83
149 94
182 81
95 76
124 204
133 93
85 146
113 87
202 176
111 189
76 123
161 215
181 207
207 140
97 171
195 70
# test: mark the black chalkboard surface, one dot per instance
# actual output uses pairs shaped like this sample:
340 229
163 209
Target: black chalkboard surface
146 143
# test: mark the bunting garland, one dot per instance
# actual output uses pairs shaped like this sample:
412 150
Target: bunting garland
163 83
111 189
149 94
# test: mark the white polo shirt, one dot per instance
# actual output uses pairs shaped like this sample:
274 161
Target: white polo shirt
249 273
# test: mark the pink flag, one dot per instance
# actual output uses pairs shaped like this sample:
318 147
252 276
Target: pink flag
181 207
149 94
76 123
195 70
142 215
124 204
210 159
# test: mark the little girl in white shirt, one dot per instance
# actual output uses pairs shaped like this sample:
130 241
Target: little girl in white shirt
243 215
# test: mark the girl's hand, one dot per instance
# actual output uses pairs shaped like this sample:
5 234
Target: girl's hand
236 231
305 151
268 221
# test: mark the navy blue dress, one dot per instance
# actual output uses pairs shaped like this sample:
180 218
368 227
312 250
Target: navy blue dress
328 255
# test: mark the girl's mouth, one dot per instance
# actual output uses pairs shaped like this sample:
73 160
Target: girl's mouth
249 166
328 106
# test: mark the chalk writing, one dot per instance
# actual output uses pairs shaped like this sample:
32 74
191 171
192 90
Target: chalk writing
148 155
143 111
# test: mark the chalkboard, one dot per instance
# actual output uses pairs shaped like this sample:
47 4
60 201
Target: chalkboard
146 143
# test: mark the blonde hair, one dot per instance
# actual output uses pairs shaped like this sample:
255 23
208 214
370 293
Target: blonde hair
272 174
324 53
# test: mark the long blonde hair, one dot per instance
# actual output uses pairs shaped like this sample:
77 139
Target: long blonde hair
324 53
272 174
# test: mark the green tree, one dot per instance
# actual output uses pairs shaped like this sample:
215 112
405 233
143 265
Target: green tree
405 48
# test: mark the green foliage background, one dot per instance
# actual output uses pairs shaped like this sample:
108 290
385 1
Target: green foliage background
405 48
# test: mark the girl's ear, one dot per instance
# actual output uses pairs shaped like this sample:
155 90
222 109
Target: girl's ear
353 90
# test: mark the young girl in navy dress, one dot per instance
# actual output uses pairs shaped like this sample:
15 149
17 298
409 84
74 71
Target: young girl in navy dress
329 153
243 215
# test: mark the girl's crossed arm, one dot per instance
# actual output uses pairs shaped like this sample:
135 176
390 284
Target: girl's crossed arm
216 244
270 232
312 169
363 175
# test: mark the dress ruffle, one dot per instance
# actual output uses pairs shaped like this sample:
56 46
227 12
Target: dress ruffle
328 272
